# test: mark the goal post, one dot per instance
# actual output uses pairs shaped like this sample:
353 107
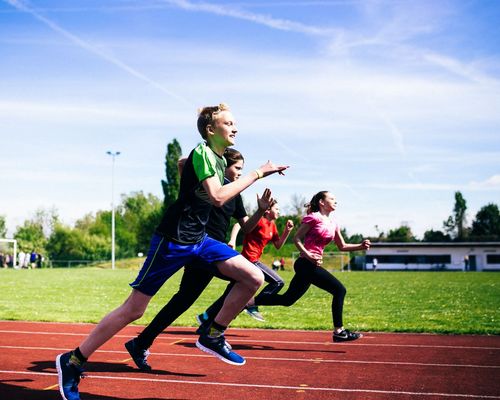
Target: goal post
332 260
4 248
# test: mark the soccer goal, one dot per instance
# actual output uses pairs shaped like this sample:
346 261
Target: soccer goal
8 247
332 260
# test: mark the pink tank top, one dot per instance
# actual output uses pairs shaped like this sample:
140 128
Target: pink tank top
322 231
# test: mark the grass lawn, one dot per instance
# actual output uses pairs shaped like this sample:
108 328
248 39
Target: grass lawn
444 302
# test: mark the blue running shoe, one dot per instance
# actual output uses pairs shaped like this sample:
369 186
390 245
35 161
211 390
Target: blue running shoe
218 347
69 375
140 356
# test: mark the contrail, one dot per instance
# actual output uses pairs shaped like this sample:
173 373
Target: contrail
87 46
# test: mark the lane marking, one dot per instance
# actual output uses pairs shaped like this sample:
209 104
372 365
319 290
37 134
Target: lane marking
236 340
280 387
51 387
286 359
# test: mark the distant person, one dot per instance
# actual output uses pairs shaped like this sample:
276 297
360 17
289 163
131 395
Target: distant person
21 258
276 265
282 263
466 263
39 260
315 232
374 263
33 257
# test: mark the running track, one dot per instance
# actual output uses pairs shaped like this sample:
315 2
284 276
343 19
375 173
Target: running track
280 365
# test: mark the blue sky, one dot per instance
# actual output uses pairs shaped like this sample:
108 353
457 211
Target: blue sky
391 105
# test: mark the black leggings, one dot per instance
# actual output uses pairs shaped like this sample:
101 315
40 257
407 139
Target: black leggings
275 283
307 274
193 283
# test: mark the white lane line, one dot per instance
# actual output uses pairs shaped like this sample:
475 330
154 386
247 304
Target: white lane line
278 387
286 359
236 340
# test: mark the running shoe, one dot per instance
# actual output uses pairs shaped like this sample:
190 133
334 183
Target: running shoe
253 311
346 336
140 356
69 375
218 347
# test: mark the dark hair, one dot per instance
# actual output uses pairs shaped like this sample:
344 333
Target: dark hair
313 205
206 116
232 156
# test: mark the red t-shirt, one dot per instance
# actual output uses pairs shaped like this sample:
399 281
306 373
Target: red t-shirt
255 241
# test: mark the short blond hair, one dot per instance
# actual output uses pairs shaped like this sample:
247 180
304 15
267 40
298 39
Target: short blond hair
206 115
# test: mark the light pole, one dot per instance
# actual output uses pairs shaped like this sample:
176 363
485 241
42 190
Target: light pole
113 155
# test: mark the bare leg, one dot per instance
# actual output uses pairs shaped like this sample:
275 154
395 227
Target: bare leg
248 278
132 309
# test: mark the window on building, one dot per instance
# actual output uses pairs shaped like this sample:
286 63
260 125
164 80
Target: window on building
493 259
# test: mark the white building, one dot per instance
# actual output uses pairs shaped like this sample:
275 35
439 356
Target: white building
451 256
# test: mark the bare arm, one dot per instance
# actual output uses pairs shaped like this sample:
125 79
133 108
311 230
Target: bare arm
343 246
234 233
284 235
248 224
220 194
298 240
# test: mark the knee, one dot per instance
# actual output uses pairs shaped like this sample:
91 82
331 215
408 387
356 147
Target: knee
257 279
135 313
342 291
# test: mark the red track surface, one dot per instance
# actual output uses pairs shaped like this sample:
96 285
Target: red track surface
280 365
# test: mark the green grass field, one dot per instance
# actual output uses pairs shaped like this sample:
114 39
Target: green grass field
444 302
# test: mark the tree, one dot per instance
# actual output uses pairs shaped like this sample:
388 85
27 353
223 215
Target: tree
3 227
486 225
172 183
401 234
455 225
30 236
297 206
66 243
435 236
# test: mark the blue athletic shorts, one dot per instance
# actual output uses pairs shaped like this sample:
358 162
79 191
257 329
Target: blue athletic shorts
165 258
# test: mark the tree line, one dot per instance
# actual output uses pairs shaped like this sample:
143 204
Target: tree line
138 214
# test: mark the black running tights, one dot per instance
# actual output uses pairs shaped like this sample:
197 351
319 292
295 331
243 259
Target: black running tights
307 274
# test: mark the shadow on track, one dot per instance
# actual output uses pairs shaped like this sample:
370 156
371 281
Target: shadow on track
13 389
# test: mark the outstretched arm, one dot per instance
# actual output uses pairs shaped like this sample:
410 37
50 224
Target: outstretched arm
343 246
220 194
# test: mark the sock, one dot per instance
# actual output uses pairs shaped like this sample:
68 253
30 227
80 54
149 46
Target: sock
77 357
216 330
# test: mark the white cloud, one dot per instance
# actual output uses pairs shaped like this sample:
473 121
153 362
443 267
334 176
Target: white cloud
493 183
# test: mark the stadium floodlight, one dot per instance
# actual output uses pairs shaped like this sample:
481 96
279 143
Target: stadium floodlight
113 155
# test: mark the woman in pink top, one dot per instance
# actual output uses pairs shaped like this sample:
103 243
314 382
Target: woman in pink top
315 232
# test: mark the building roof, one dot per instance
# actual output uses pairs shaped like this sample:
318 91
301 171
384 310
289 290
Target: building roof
435 244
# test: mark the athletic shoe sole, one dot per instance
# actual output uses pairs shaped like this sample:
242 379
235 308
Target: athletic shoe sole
59 376
214 353
259 318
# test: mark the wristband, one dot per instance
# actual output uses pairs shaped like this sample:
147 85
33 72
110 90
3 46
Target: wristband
259 173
